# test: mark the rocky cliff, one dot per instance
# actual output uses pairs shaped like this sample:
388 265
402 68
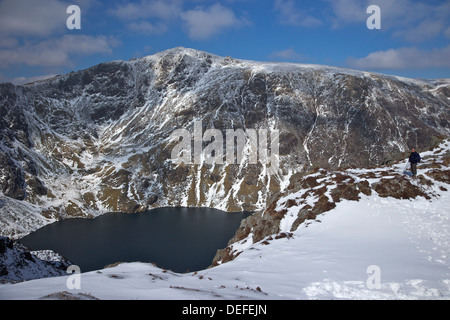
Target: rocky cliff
99 140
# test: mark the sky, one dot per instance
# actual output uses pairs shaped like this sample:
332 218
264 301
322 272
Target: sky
412 38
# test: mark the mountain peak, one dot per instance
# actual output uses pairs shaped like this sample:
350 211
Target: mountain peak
98 140
182 51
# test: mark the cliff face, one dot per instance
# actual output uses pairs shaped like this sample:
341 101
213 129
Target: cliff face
99 140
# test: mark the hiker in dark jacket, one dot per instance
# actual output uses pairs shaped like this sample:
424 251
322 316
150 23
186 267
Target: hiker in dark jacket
414 159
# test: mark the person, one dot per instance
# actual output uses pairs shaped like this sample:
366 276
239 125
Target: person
414 159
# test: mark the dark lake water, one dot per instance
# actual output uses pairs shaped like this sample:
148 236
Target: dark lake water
179 239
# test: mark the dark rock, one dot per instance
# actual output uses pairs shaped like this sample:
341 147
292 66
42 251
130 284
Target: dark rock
5 243
18 263
399 188
440 175
152 200
37 186
364 187
345 191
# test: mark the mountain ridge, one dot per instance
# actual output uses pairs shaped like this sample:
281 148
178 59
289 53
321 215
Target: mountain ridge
196 52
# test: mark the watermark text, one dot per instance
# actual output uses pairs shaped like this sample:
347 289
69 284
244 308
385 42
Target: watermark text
374 21
240 146
374 279
74 20
74 281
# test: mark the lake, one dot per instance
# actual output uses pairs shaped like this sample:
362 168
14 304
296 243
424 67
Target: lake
179 239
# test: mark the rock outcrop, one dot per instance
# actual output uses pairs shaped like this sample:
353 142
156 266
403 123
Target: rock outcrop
18 263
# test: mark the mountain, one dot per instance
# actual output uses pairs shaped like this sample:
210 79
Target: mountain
381 236
100 139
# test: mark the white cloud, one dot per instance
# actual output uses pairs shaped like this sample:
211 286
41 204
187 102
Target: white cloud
146 27
447 33
413 21
148 16
288 54
290 15
32 18
8 42
403 58
161 9
144 52
202 23
348 12
155 17
24 80
56 52
426 29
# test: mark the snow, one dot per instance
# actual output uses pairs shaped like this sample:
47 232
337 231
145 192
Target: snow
374 248
21 224
18 263
409 241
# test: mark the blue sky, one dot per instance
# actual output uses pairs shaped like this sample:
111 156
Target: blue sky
414 39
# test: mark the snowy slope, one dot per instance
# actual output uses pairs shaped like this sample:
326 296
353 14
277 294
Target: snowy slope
407 241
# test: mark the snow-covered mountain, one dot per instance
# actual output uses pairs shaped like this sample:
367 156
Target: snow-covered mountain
379 236
98 140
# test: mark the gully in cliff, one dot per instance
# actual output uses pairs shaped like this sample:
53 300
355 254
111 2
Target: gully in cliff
251 144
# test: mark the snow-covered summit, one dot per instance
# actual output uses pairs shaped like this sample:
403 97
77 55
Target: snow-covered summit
283 67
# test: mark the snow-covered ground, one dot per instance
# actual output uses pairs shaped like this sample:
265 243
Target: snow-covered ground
374 248
405 245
